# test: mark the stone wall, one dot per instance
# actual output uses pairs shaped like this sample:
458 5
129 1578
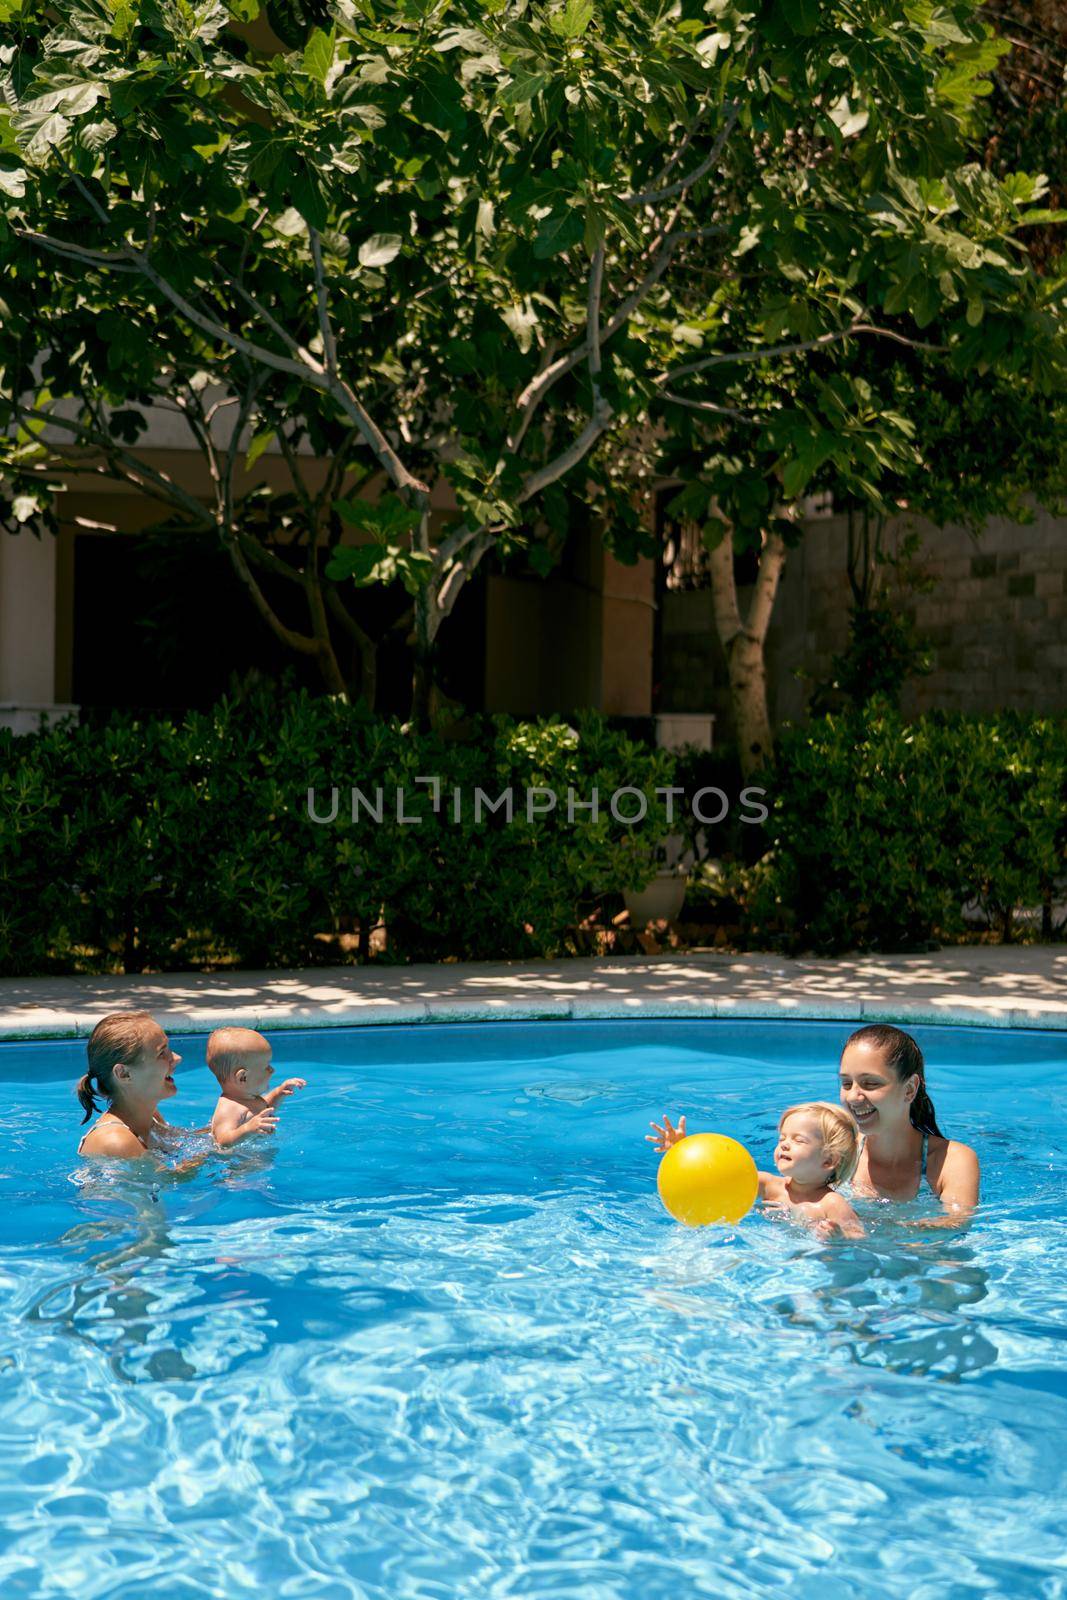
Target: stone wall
996 621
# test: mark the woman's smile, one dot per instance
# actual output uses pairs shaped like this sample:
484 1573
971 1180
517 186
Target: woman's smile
864 1115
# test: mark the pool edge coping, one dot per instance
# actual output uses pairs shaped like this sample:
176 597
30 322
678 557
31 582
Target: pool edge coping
600 1008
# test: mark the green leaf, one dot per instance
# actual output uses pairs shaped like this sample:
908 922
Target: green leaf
897 297
379 518
522 320
573 20
319 54
95 135
1042 219
368 564
13 183
289 223
795 477
559 231
257 447
848 122
52 131
74 99
309 194
380 249
438 102
801 15
524 88
542 558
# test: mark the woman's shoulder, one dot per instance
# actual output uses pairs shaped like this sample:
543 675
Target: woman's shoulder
953 1172
111 1138
954 1151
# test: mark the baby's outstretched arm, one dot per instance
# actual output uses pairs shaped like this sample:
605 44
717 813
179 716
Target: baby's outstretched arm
664 1137
274 1095
232 1122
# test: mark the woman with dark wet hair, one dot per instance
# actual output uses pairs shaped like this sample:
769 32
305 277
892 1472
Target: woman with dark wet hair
883 1085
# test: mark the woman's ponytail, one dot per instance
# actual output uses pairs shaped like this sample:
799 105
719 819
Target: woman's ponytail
116 1038
923 1115
86 1097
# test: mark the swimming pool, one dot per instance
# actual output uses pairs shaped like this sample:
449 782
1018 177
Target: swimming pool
438 1339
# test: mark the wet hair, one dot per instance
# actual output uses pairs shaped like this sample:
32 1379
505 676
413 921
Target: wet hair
228 1048
119 1037
840 1137
902 1053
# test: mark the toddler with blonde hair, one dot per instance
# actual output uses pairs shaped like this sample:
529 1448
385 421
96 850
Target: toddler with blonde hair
818 1147
817 1150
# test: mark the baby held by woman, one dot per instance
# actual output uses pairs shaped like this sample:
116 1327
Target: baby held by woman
817 1150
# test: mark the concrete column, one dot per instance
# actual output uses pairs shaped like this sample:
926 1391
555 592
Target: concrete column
28 631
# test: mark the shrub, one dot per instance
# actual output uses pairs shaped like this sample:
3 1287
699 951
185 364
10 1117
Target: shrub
881 829
150 843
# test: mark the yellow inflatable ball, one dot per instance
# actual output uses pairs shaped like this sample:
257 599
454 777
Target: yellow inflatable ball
707 1177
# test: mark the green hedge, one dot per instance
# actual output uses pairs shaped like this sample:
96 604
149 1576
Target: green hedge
881 829
163 844
156 843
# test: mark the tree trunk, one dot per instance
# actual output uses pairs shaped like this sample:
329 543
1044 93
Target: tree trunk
424 632
748 696
422 683
743 641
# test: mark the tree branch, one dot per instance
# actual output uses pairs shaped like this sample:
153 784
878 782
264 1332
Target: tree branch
673 160
653 196
725 357
345 617
329 344
538 387
264 557
301 642
706 405
456 577
156 483
592 322
306 368
580 446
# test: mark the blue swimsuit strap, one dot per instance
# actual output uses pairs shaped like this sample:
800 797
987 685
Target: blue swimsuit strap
922 1169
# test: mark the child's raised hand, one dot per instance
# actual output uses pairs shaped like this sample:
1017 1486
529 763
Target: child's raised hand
289 1085
664 1137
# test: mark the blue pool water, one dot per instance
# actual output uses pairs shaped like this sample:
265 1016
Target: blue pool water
437 1339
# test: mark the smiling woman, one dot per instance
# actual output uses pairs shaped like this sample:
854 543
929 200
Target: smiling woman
132 1065
883 1085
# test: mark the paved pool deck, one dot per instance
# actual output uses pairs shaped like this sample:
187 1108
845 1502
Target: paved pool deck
978 985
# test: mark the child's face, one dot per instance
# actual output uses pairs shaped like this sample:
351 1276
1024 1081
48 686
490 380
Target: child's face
800 1152
254 1075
